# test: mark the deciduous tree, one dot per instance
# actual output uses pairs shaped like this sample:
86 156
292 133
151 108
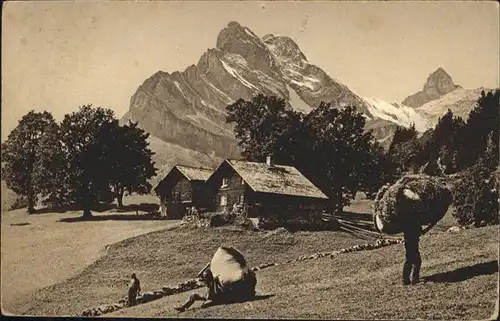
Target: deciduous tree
128 158
87 172
23 156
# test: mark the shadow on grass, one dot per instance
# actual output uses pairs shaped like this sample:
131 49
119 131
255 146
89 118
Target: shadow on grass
111 217
464 273
48 210
102 207
20 224
255 298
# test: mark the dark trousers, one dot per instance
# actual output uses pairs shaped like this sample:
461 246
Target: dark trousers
132 296
192 298
412 260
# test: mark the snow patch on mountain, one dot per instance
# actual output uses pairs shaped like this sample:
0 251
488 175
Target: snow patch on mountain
297 103
302 84
236 75
180 89
251 34
293 74
397 113
461 101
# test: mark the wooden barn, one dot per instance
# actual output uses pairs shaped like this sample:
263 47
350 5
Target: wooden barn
182 189
264 190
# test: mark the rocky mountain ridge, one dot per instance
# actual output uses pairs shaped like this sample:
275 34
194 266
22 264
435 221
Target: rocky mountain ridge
185 111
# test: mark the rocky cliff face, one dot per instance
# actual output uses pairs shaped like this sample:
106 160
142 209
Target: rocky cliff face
186 110
438 84
310 82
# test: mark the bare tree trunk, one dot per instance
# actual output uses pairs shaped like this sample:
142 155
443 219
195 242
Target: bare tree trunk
119 196
31 204
87 213
119 199
86 204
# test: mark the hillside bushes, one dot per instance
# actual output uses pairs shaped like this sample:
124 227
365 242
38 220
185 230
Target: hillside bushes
475 196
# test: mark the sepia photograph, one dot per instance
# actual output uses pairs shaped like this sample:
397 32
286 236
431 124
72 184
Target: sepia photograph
332 160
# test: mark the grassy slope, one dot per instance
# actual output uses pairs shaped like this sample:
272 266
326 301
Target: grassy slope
169 257
355 285
461 272
37 250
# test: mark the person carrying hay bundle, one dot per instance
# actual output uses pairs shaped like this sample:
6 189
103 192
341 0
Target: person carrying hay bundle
412 232
413 201
227 277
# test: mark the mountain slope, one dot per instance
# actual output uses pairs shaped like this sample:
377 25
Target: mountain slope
397 113
187 109
460 101
310 82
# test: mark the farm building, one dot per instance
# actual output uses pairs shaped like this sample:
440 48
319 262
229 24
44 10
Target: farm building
182 189
264 190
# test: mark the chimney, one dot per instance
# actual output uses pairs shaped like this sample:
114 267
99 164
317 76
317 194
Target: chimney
268 160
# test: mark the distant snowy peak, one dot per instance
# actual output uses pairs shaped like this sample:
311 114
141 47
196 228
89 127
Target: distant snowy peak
398 114
438 83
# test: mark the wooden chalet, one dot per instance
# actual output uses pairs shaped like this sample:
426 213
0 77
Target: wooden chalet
264 190
182 189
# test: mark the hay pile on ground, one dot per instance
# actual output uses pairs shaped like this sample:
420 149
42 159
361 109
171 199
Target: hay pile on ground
414 199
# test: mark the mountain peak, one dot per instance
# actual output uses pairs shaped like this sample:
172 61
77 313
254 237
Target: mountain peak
438 84
234 35
240 40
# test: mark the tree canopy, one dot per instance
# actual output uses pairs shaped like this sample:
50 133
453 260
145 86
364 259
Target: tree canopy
82 135
128 159
454 144
87 159
328 145
23 161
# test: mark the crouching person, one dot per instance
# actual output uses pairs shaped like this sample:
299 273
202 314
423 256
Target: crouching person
241 290
233 281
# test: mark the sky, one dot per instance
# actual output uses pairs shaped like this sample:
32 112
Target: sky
59 55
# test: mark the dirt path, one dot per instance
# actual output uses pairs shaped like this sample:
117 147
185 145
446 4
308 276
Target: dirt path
46 251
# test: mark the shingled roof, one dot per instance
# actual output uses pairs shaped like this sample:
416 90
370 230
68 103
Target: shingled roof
195 173
276 179
191 173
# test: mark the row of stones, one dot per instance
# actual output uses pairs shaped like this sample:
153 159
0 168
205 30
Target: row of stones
188 285
192 284
361 247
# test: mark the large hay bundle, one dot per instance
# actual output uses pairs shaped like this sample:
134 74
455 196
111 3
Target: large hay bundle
230 267
228 264
414 199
